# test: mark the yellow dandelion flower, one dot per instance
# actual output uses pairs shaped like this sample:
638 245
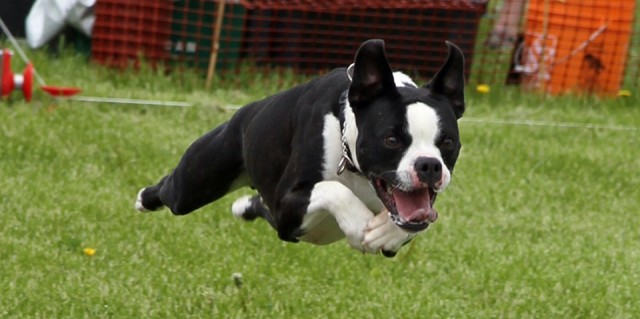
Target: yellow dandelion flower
89 251
624 93
483 88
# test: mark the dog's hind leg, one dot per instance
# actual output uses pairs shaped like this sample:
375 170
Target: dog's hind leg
210 168
148 199
251 207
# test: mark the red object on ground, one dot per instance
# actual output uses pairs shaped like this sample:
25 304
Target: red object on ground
6 82
60 91
11 81
27 82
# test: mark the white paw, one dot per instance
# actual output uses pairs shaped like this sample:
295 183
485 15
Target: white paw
240 206
138 204
381 234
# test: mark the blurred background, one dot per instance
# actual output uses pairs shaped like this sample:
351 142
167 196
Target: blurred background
547 46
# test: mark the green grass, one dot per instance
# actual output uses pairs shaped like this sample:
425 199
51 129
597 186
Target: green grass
539 222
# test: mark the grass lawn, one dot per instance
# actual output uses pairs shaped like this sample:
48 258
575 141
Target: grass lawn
539 221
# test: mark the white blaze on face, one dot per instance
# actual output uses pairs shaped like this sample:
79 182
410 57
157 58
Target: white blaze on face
423 127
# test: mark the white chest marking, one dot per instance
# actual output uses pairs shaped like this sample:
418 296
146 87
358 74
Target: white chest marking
332 154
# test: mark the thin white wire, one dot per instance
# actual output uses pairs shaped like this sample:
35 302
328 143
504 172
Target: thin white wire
550 124
129 101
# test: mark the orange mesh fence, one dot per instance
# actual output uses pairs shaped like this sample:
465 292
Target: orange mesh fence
546 45
561 46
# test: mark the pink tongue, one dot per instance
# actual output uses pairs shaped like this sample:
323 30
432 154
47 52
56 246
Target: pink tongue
415 206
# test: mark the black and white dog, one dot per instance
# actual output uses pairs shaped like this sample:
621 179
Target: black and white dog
359 153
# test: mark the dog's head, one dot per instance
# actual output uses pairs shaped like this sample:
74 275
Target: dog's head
405 139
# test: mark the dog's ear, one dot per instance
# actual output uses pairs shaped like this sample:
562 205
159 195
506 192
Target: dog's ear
449 81
371 75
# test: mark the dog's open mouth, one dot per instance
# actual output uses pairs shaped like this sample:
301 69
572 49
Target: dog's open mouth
410 209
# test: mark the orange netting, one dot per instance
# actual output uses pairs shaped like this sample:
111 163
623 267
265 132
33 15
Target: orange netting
564 46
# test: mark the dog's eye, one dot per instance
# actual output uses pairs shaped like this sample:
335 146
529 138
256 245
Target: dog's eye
447 144
391 141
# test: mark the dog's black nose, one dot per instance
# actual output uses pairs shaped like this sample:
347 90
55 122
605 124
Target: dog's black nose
429 170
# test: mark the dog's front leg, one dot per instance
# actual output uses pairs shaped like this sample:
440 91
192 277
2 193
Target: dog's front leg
381 233
363 230
333 199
